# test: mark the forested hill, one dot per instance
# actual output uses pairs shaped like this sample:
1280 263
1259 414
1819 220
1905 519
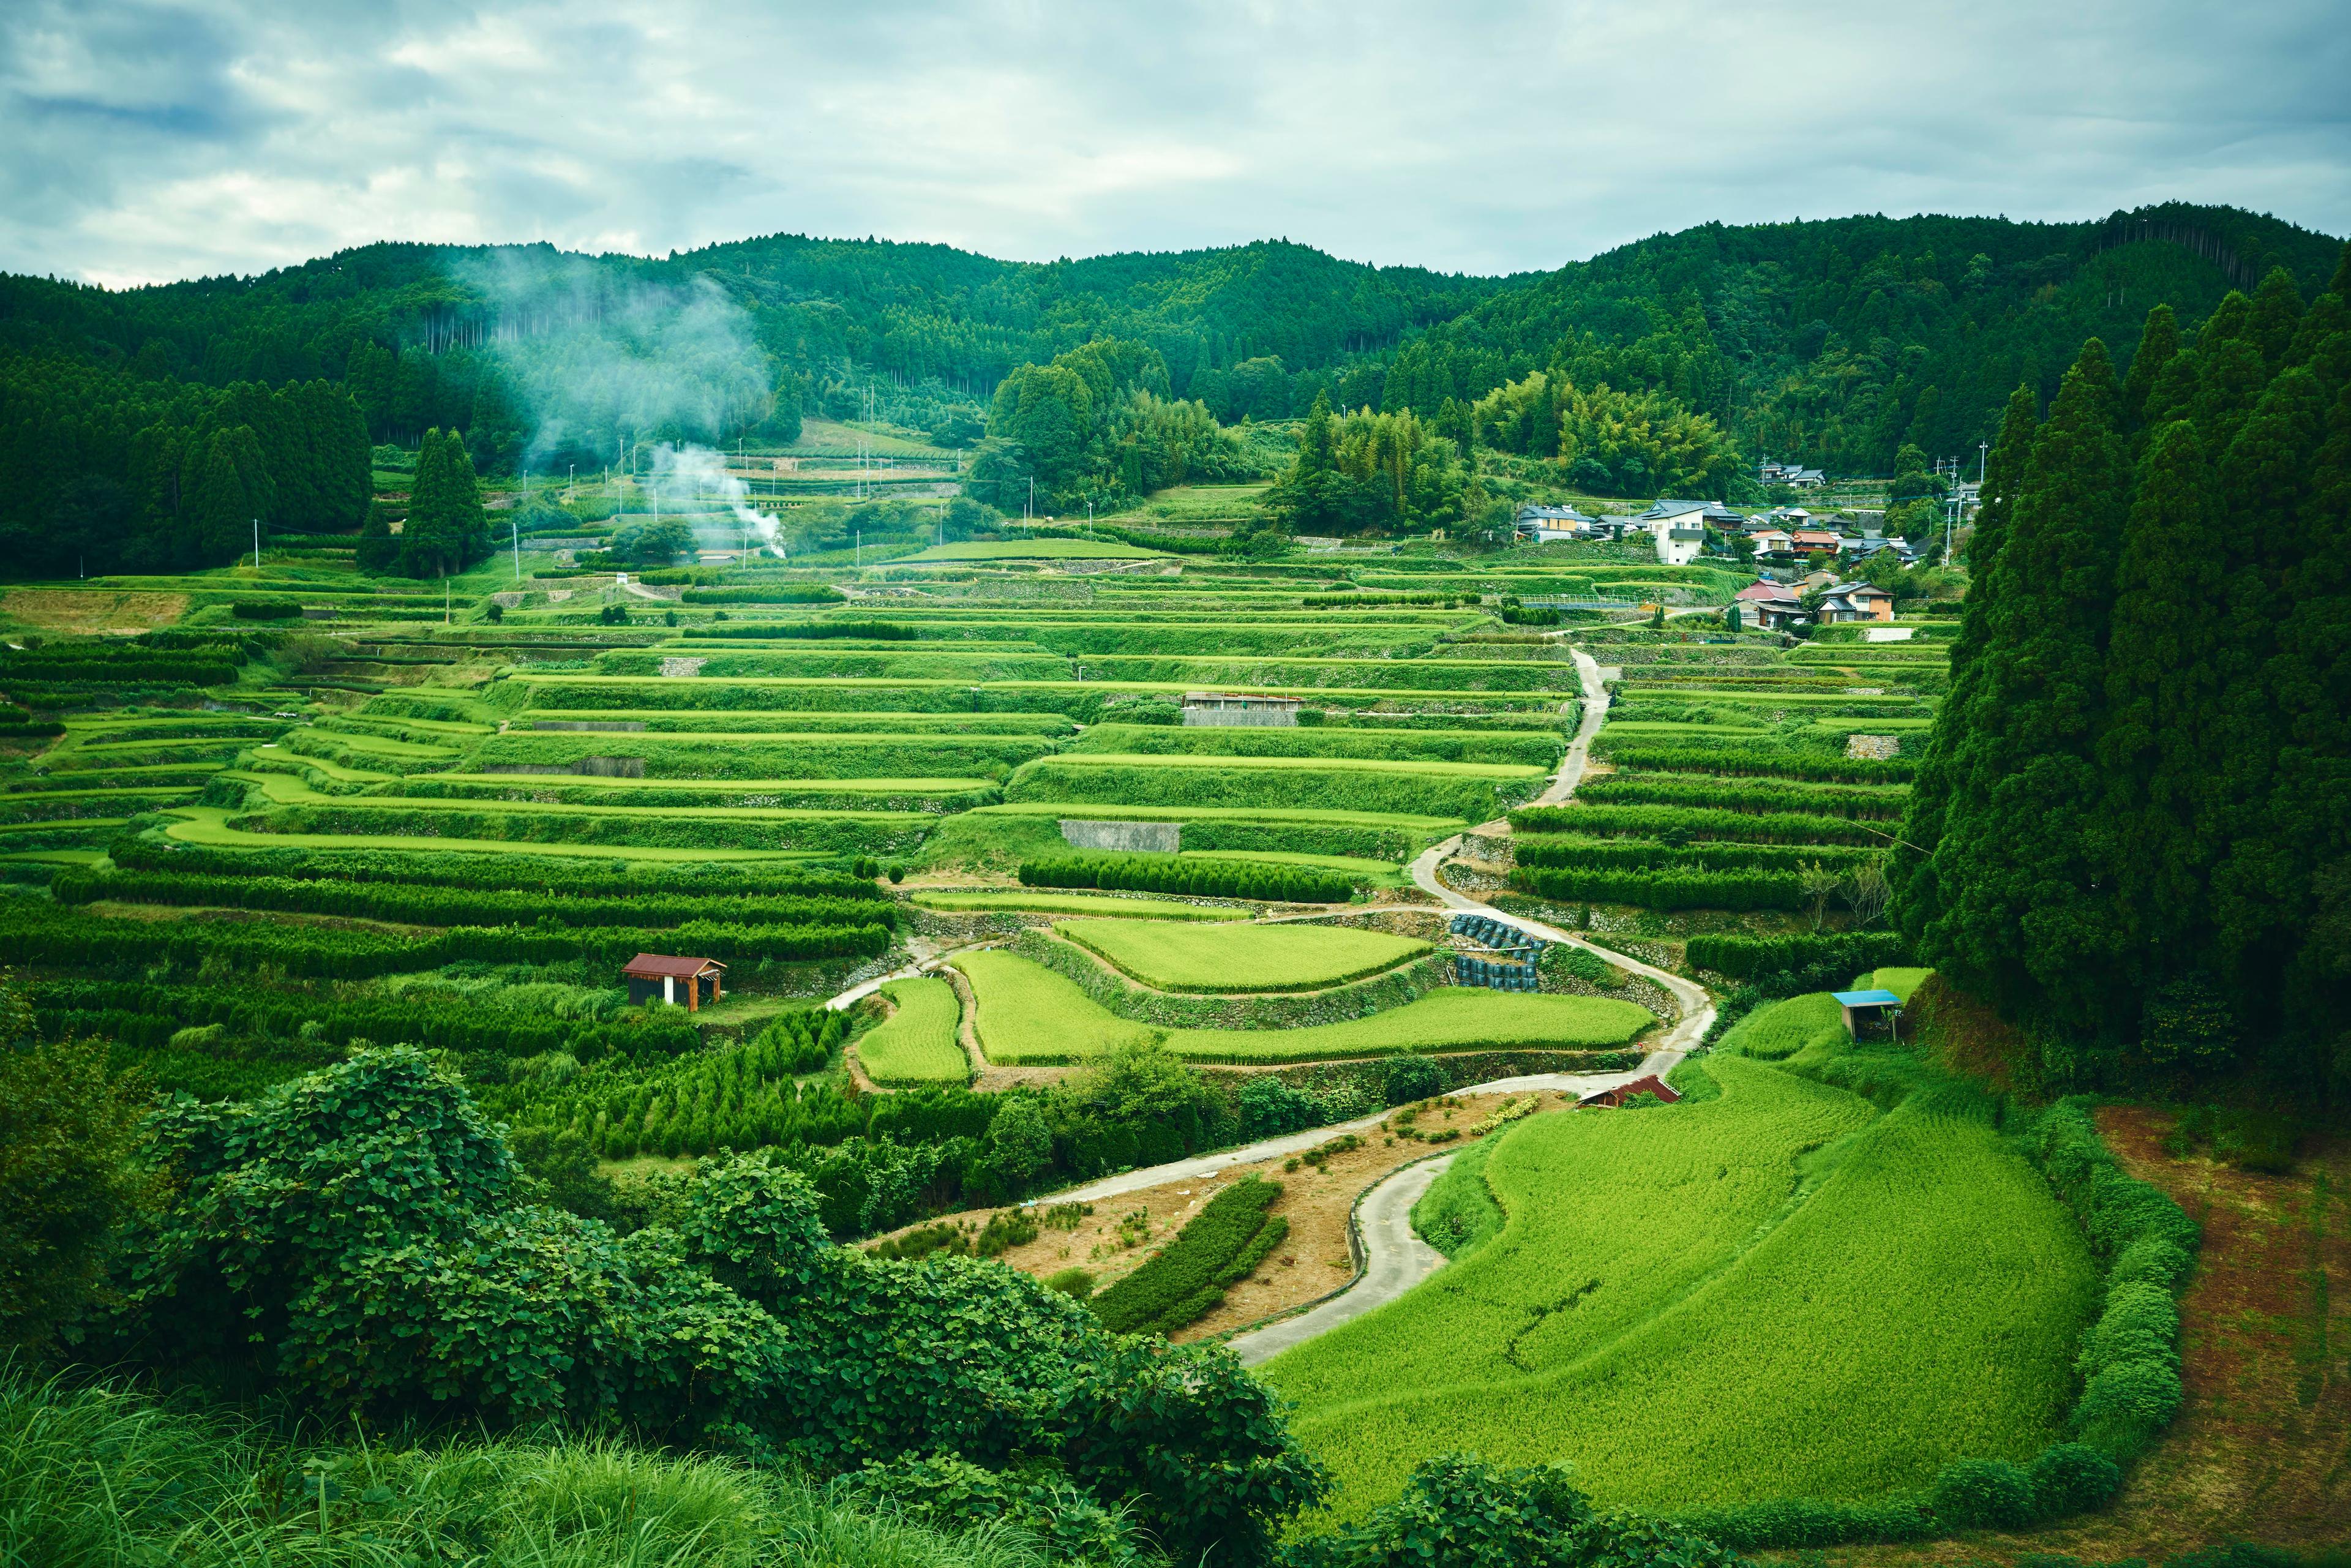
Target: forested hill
1836 342
1832 342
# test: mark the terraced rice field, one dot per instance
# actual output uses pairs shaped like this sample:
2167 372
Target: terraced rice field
1029 1014
917 1043
1251 959
1677 1290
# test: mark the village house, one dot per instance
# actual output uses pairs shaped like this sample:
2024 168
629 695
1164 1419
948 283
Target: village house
1855 601
1679 528
1548 524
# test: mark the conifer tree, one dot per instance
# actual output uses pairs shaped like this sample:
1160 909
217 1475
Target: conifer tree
2173 396
1910 869
2267 477
232 494
2159 342
2277 310
2230 375
2023 916
2163 691
2309 818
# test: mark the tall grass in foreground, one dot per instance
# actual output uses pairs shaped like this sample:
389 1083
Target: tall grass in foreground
102 1475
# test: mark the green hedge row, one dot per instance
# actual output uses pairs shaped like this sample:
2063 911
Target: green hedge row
1680 824
267 609
810 630
1756 764
782 593
1575 850
51 936
2147 1246
1856 802
1665 889
1189 1277
145 1016
414 905
172 669
1744 957
1081 781
1200 879
534 874
555 825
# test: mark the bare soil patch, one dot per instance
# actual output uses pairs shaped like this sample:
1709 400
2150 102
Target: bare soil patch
89 612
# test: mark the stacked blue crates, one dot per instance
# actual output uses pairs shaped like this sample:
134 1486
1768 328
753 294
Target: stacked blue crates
1516 972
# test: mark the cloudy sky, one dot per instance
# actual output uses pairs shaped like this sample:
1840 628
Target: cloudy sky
144 141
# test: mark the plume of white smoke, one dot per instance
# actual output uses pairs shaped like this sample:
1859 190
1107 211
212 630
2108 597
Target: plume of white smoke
689 480
596 356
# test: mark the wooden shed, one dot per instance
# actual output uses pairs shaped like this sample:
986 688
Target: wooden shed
665 975
1652 1084
1868 1011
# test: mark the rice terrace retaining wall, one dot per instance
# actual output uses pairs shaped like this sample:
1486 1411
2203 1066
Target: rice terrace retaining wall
1158 838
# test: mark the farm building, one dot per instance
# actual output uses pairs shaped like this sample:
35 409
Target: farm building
1225 708
1607 1098
666 976
1867 1011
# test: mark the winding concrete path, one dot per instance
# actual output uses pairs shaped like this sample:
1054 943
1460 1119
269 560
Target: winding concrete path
1395 1261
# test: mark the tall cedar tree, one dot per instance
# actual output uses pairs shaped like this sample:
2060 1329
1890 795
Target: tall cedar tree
1911 868
445 532
2163 696
2257 890
2158 343
2024 916
2277 311
2309 682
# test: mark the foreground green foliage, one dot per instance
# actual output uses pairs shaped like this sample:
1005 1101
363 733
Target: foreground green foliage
104 1478
365 1220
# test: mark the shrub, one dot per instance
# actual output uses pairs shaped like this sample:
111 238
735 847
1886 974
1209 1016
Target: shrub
1410 1079
265 610
1271 1107
2069 1478
1983 1494
1075 1283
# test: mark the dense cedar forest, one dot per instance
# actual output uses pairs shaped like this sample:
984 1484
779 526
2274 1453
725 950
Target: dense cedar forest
1669 363
2130 828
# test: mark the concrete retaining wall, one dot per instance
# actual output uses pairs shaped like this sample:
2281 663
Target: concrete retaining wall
1162 838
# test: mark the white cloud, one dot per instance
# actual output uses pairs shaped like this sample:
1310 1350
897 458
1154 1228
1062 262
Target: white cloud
156 139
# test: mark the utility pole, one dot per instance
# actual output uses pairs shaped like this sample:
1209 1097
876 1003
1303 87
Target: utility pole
256 544
861 549
517 524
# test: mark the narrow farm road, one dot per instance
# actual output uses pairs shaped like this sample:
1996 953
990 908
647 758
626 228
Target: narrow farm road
1579 750
1395 1261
